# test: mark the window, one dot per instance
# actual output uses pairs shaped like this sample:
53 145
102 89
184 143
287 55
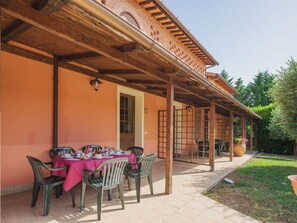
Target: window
130 19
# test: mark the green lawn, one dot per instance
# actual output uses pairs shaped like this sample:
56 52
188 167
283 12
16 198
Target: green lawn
261 190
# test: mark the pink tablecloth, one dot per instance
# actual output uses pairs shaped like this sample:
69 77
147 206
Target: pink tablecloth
76 167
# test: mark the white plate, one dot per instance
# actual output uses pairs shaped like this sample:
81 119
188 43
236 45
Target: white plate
118 154
98 158
107 157
67 157
72 159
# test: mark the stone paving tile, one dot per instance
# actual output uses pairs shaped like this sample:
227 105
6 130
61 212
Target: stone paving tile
185 204
212 215
177 218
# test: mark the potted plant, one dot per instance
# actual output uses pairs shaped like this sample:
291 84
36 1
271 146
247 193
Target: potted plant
239 146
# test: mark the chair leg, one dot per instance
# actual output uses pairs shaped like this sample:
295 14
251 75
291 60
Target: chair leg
82 196
47 199
73 196
120 188
61 189
137 183
58 191
129 182
99 202
150 180
36 188
109 192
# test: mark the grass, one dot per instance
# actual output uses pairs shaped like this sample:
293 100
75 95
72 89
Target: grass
261 190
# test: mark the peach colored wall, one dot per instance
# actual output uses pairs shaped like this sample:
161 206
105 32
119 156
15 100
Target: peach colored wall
26 106
85 116
153 104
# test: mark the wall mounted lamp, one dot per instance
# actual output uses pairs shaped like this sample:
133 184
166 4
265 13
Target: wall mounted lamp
96 84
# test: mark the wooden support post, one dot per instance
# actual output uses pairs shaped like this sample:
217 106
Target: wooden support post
169 137
252 134
243 127
55 105
231 135
212 135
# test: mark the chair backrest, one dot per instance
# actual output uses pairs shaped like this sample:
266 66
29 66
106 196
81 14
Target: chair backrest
112 172
59 151
94 148
146 164
36 165
137 151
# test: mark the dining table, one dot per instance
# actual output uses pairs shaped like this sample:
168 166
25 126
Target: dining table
74 174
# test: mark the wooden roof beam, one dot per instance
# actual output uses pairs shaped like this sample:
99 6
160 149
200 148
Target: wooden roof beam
18 27
145 3
162 18
120 71
171 27
155 82
157 13
167 23
81 56
151 8
177 35
129 47
175 31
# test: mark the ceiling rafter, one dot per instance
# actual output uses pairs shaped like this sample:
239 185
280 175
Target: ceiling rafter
155 82
18 27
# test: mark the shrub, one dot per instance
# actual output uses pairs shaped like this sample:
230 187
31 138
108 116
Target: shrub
265 142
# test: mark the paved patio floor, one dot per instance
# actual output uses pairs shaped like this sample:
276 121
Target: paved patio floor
185 204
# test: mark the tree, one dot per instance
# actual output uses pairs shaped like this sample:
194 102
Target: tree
243 92
284 94
226 76
260 87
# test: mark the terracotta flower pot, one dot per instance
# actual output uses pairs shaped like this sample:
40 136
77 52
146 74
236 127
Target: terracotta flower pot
239 149
293 179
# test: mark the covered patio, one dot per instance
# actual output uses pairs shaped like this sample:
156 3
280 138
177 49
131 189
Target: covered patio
186 204
52 51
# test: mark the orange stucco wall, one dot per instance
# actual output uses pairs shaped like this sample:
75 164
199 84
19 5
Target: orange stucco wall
85 116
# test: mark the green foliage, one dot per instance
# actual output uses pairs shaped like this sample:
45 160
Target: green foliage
259 89
264 140
284 94
226 76
243 92
256 92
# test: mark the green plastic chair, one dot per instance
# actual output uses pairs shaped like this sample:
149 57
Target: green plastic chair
59 151
95 148
111 176
145 165
137 151
48 183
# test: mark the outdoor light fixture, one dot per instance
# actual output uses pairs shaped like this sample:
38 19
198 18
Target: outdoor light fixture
96 84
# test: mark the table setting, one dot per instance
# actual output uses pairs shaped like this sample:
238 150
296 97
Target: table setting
80 160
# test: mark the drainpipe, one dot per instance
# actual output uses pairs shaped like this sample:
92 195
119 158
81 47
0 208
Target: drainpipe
107 16
208 67
55 96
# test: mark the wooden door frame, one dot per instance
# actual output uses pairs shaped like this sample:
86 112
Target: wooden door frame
139 114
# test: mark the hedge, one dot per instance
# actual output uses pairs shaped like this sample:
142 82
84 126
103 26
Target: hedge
264 142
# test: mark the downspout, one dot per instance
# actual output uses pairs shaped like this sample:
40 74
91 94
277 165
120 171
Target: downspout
55 104
208 67
107 16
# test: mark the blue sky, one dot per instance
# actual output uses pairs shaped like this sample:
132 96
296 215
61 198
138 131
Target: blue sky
244 36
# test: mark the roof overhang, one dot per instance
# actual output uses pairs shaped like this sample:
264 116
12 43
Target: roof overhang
221 82
91 38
